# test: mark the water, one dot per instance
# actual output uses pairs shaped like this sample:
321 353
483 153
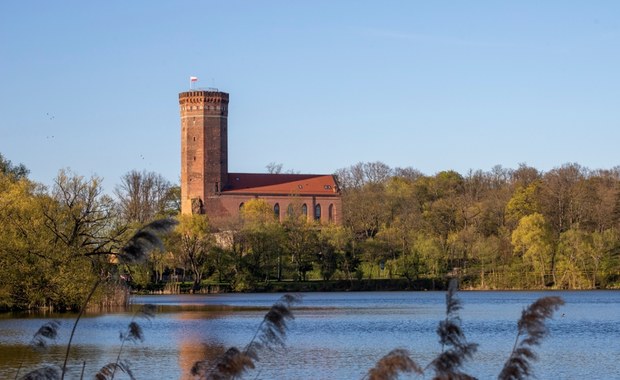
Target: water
334 335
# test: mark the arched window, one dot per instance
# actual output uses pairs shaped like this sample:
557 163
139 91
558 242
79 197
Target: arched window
317 212
240 205
276 210
289 210
304 209
330 213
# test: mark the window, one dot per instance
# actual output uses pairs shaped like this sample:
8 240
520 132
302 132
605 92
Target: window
330 213
276 210
304 209
240 205
317 212
289 210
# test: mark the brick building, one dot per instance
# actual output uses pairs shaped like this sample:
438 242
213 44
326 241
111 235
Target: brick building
208 188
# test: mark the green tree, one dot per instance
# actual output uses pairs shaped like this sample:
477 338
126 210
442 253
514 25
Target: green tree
263 235
302 244
342 240
575 249
533 240
524 201
195 243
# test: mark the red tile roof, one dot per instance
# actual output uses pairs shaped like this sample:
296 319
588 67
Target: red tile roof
281 184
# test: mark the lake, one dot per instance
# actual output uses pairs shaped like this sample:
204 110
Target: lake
333 336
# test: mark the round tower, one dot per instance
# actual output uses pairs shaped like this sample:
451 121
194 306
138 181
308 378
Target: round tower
204 148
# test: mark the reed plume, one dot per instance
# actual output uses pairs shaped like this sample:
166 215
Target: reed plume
270 335
447 365
46 333
45 373
532 329
395 362
145 240
133 333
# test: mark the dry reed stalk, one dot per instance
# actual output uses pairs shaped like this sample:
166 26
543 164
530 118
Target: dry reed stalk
532 329
447 365
270 335
132 334
395 362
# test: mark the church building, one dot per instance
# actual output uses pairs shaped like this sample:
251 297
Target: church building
208 188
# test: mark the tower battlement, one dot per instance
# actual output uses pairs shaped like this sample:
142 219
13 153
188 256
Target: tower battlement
195 97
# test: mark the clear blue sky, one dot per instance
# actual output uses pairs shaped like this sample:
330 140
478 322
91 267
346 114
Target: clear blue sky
314 85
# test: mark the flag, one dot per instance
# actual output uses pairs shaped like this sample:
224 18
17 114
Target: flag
193 79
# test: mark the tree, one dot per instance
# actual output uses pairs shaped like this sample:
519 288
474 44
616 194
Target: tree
302 245
342 243
22 237
274 168
524 201
144 196
575 249
16 172
363 173
533 240
55 243
264 236
558 199
84 231
195 244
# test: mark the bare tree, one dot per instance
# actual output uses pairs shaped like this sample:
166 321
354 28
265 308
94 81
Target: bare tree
274 168
143 196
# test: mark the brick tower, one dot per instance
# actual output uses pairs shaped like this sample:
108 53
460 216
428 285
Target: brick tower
204 149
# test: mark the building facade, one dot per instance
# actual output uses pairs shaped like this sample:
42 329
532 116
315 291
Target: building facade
208 188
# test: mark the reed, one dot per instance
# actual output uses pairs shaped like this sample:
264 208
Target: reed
391 365
269 336
532 329
133 333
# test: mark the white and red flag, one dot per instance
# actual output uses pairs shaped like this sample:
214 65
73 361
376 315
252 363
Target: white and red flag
193 79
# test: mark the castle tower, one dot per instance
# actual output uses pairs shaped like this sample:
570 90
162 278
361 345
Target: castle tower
204 149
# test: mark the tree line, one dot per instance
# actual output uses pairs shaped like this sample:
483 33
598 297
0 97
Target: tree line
502 229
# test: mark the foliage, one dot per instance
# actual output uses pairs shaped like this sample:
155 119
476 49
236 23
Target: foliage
135 250
500 229
15 172
195 243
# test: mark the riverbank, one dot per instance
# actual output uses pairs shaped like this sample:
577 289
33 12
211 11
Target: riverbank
290 286
299 286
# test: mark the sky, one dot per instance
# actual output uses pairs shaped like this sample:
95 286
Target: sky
314 85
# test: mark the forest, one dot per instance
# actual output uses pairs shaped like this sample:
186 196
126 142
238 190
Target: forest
500 229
